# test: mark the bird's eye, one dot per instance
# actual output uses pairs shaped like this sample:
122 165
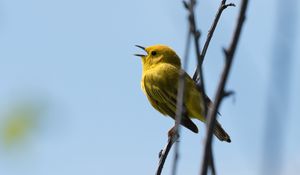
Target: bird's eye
153 53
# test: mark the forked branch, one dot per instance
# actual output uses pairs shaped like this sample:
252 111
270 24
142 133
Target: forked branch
221 93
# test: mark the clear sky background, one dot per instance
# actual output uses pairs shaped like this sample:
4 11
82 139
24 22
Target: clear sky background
72 63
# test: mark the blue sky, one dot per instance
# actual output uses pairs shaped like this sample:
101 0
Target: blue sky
74 60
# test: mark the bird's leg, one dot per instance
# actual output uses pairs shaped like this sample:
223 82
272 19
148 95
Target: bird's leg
173 134
172 138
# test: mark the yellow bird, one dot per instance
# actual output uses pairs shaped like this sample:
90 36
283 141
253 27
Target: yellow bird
161 68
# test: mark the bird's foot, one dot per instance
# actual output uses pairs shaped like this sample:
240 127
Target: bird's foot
173 134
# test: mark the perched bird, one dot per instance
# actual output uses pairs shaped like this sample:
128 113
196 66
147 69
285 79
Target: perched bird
161 68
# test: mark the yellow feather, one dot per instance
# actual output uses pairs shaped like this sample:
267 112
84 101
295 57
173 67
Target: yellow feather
161 68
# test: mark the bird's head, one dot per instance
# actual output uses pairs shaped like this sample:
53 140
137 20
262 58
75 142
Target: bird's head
158 54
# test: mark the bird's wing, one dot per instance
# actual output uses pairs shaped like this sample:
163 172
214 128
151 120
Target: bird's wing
162 95
207 100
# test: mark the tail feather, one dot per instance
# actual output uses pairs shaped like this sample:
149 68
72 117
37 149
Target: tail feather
220 133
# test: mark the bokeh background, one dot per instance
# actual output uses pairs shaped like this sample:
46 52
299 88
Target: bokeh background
70 98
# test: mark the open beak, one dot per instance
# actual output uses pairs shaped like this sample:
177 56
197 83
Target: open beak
143 48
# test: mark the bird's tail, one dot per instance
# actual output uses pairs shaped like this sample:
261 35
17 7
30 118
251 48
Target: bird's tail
220 133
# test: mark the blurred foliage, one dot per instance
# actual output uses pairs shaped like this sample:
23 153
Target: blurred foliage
19 124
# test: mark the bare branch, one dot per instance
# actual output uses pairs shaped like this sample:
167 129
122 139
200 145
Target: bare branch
174 132
211 31
196 36
180 101
198 75
164 154
179 108
212 164
211 120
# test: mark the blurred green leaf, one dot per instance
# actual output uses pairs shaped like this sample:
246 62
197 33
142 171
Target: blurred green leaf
19 124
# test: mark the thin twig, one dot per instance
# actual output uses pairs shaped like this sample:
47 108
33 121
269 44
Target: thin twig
196 36
229 54
164 153
212 165
179 112
180 101
200 55
211 31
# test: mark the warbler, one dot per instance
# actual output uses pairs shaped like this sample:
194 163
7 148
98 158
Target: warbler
160 75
